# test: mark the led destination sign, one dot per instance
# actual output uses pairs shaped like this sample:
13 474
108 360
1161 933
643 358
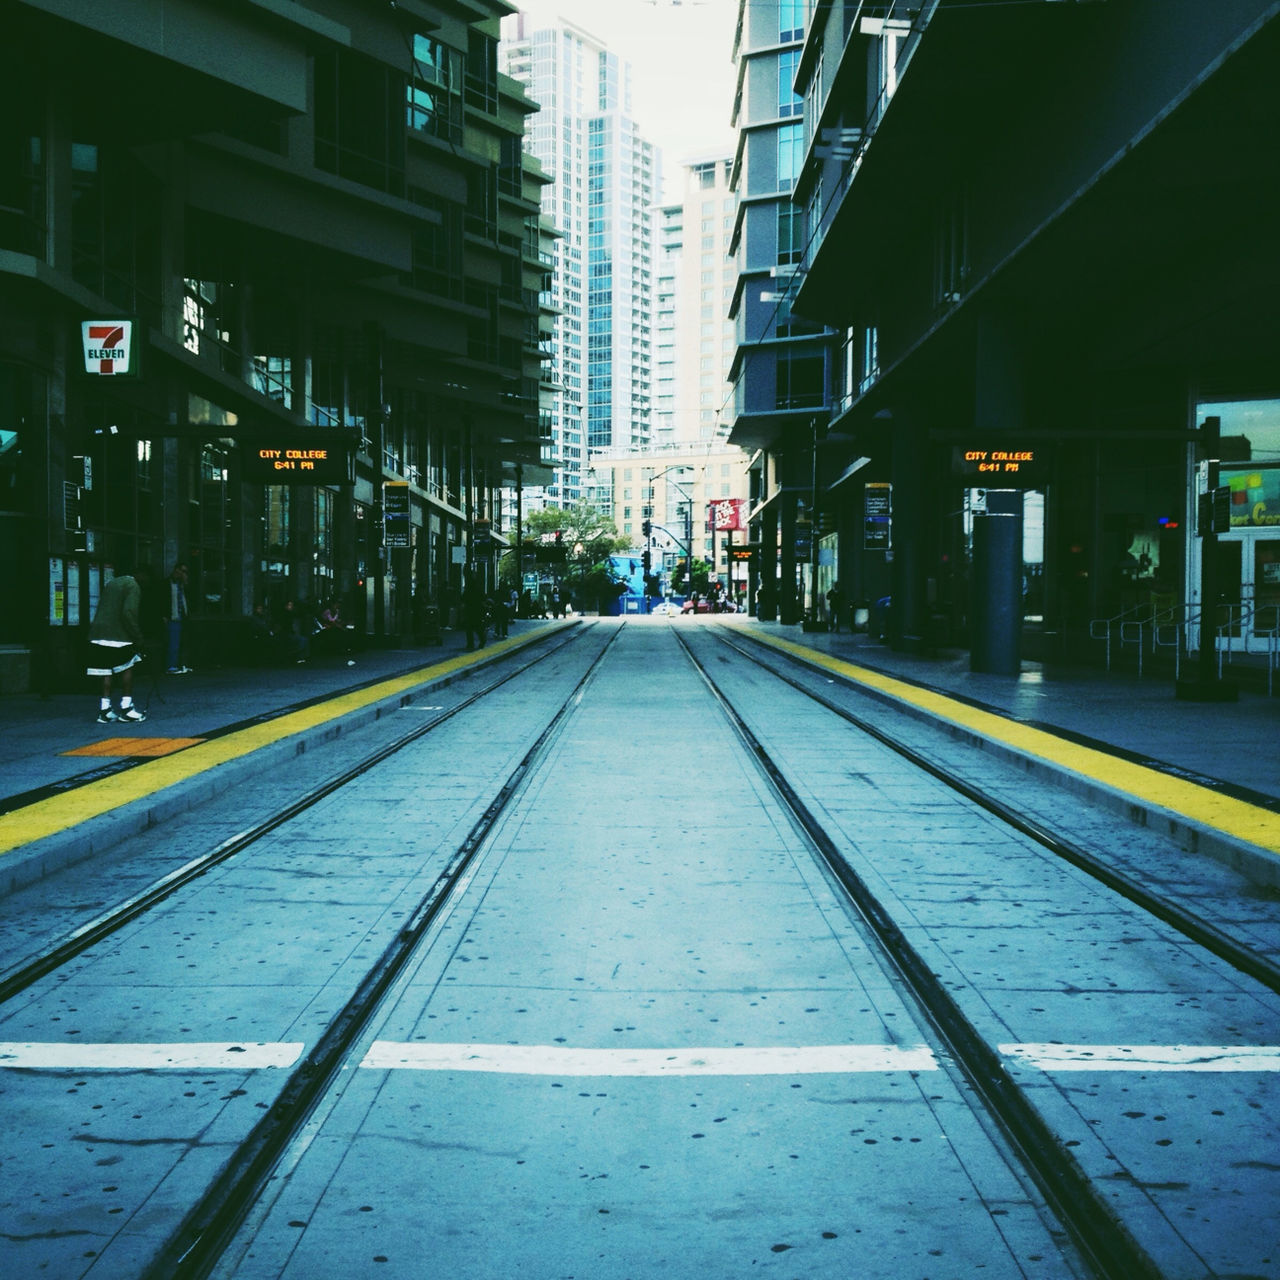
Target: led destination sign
295 462
1002 468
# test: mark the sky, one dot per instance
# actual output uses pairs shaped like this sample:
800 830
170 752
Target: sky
682 73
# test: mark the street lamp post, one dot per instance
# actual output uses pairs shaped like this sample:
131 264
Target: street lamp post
688 521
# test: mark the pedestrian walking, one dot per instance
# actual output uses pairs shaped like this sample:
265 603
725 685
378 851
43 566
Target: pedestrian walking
175 616
115 646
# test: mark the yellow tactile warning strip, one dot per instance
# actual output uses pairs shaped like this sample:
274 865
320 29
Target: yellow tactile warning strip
1201 805
62 812
133 747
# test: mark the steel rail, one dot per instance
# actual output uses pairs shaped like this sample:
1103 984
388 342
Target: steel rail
1087 1217
1193 927
210 1225
19 977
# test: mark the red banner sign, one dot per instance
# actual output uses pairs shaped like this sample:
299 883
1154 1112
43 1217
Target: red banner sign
725 515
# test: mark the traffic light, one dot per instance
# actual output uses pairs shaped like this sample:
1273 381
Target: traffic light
559 537
647 528
647 561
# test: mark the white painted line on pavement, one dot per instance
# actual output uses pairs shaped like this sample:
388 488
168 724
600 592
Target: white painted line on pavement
545 1060
148 1057
558 1060
1146 1057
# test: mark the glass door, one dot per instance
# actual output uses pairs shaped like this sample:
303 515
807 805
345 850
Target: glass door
1249 586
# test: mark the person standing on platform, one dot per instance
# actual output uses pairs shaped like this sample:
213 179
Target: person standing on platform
115 646
175 618
501 617
835 602
474 602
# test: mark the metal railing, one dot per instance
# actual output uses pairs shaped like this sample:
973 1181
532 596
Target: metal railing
1120 629
1265 631
1171 629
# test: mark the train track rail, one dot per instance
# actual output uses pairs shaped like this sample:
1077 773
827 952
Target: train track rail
1102 1238
1242 956
19 977
195 1248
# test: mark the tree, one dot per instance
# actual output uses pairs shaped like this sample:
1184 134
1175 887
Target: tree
588 540
586 535
701 578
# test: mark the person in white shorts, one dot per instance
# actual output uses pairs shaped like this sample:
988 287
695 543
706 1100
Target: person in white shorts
115 646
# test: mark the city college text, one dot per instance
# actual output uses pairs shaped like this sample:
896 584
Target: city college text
998 460
293 459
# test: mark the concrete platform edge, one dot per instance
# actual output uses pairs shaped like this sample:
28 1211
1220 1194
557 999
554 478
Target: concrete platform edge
1258 865
31 863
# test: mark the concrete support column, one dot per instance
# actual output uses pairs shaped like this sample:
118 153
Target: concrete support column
767 598
995 608
788 608
908 617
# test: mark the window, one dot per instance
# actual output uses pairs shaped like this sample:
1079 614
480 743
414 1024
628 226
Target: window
801 379
791 19
359 124
433 95
789 102
790 155
950 250
790 233
870 356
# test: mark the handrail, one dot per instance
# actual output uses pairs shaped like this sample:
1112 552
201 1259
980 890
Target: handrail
1109 625
1270 632
1170 628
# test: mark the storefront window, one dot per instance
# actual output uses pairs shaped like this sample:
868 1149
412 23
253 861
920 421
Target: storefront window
14 416
1249 432
1248 575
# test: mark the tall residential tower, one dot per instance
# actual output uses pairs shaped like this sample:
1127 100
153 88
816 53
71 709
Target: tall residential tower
604 176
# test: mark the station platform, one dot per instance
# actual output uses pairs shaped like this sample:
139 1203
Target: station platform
1230 746
52 746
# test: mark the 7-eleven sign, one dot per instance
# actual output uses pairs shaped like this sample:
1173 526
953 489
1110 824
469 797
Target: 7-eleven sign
108 347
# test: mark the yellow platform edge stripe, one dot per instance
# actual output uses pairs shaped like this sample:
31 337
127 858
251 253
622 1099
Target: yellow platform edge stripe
68 809
1199 804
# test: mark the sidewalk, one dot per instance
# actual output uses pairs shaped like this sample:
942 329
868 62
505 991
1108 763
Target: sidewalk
36 731
1234 745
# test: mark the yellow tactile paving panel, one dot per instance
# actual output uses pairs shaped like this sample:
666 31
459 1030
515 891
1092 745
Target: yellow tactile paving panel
62 812
1202 805
133 747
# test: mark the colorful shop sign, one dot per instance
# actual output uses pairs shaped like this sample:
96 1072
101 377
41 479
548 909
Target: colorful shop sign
1255 495
109 348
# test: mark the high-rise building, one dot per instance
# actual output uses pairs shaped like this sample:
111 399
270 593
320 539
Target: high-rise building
782 373
604 176
666 369
704 286
310 243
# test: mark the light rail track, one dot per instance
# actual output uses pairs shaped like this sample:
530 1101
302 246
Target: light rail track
92 932
1239 954
195 1248
1102 1238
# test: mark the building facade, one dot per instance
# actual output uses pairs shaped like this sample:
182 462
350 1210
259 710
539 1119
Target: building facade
1052 321
705 278
1044 235
782 370
318 236
601 203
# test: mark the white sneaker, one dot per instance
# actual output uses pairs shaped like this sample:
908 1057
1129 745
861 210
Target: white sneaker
133 715
107 716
